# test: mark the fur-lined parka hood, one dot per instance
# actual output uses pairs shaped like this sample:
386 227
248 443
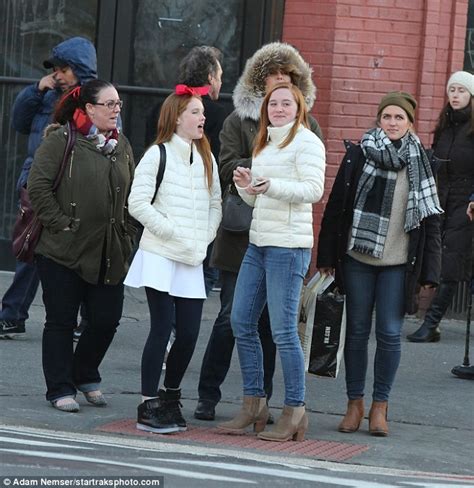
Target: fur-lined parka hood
50 128
250 89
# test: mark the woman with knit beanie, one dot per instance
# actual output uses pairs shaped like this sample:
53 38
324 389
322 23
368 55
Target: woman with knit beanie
380 235
454 145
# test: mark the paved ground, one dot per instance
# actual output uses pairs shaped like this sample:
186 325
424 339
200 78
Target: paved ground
431 412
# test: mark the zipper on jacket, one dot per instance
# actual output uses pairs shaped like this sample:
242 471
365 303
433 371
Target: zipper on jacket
73 210
70 164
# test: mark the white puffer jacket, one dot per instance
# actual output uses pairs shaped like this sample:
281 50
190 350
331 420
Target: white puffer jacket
283 215
185 216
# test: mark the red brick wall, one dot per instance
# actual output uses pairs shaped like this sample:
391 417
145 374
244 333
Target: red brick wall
361 49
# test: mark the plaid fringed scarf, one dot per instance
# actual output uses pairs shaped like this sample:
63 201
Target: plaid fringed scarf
104 143
373 202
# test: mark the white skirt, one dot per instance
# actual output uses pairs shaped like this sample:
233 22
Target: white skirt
163 274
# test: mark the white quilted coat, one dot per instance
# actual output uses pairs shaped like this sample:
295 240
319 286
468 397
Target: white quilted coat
283 215
185 216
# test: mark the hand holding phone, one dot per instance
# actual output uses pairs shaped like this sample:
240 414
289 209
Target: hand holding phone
257 183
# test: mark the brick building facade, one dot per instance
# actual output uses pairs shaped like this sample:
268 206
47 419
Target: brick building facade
361 49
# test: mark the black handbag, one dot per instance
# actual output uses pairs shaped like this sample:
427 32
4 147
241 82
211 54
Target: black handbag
236 214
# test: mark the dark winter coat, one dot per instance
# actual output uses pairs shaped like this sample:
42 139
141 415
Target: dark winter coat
239 131
33 109
424 248
455 177
91 199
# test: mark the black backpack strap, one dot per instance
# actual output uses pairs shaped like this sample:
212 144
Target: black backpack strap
161 170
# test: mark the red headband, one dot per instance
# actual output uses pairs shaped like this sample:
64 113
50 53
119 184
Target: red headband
191 90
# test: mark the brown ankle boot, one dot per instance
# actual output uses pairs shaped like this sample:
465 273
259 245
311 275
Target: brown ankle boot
254 411
292 424
354 416
378 419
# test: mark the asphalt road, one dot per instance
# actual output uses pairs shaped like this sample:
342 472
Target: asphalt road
52 454
431 419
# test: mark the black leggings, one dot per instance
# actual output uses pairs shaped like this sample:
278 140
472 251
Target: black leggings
163 309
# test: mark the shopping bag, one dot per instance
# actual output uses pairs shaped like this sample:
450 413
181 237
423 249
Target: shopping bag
316 285
329 333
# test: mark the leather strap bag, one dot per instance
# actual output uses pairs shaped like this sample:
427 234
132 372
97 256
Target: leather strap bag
236 214
27 229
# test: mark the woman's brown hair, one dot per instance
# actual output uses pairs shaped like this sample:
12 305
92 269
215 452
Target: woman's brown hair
301 117
77 98
444 120
172 108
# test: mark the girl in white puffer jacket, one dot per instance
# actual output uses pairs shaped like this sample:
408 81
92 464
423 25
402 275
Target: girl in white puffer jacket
286 178
178 225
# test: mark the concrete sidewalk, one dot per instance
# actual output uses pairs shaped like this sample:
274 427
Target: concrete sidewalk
431 412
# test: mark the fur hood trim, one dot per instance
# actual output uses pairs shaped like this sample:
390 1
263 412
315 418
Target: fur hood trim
50 128
250 89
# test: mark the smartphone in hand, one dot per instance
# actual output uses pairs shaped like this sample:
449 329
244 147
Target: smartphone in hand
257 183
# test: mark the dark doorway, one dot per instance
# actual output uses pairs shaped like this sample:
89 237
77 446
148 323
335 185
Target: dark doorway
139 45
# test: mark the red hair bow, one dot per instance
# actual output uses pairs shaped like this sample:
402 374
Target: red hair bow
191 90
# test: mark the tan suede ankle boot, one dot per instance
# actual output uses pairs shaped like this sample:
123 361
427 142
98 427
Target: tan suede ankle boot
378 419
354 416
254 411
292 424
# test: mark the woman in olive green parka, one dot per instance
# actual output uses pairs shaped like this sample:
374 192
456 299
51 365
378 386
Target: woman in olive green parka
85 245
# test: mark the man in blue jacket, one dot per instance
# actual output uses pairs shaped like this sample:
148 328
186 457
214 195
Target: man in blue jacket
74 62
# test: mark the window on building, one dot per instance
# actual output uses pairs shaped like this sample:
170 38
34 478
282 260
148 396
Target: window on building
469 52
29 31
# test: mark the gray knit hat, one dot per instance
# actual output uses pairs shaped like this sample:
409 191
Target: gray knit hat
462 78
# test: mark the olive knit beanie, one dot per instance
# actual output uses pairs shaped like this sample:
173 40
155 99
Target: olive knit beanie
400 99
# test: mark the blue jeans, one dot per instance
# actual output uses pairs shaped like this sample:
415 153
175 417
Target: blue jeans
211 275
382 287
18 298
218 355
274 275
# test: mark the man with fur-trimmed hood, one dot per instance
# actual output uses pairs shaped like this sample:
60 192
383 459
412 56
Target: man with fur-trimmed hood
273 63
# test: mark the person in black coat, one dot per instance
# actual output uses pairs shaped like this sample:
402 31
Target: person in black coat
454 146
380 235
200 67
466 370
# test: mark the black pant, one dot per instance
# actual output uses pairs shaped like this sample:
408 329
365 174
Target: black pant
440 303
63 292
218 355
163 308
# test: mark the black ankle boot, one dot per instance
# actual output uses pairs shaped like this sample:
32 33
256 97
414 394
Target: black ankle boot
152 417
170 401
425 334
205 410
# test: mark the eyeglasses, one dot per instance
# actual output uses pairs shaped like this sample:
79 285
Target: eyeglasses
111 104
